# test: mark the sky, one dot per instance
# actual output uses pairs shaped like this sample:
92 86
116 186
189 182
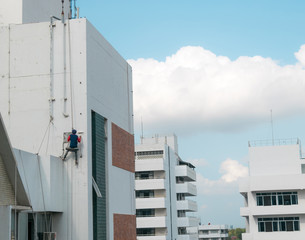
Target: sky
211 72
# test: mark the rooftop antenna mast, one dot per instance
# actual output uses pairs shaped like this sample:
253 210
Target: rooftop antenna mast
272 126
70 10
75 9
63 10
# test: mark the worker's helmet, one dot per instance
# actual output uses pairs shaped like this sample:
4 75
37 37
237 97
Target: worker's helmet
74 131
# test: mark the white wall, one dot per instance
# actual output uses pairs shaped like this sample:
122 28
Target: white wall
5 220
274 160
171 196
88 74
109 93
30 11
273 169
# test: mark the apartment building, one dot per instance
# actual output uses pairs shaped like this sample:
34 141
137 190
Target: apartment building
59 74
274 192
213 232
164 187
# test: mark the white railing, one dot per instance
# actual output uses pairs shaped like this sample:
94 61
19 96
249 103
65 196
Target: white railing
273 142
185 172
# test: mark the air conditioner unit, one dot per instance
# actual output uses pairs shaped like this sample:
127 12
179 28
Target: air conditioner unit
49 236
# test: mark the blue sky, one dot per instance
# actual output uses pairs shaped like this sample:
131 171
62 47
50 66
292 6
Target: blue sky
210 71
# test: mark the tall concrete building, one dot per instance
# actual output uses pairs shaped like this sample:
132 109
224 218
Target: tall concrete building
164 187
58 75
274 191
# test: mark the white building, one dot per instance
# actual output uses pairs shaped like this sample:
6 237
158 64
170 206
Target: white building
274 191
54 76
164 184
213 232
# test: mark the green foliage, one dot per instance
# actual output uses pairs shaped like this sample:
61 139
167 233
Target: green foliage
235 234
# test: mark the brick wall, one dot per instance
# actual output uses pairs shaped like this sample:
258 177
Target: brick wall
124 227
122 149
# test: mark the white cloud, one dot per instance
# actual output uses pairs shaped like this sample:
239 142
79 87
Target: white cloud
231 171
300 55
195 90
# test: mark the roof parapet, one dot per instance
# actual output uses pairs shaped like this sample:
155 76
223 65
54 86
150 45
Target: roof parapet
274 142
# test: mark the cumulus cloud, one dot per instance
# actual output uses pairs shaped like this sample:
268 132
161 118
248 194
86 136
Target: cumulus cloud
195 90
231 171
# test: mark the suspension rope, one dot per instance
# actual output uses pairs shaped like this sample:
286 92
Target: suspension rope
48 128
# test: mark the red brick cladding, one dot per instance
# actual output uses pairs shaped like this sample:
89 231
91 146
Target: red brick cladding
124 227
122 149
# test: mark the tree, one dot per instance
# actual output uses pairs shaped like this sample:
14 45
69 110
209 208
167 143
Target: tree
235 233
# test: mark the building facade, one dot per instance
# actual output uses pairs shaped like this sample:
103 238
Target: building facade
164 184
274 191
213 232
59 75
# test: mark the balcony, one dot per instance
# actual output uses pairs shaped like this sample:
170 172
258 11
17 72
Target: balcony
213 236
148 203
244 211
150 184
187 222
275 210
187 173
150 164
187 188
187 237
187 205
151 222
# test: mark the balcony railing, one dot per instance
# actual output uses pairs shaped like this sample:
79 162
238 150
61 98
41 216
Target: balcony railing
150 164
150 184
148 203
187 188
187 173
151 222
187 205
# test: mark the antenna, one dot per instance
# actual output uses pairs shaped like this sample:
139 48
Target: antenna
272 126
63 10
75 10
70 10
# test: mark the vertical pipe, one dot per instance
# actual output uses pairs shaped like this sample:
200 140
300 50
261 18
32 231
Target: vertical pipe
65 71
9 69
51 71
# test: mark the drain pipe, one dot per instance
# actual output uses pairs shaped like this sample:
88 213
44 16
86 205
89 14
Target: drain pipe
51 99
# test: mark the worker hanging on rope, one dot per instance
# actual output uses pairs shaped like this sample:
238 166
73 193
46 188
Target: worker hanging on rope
73 147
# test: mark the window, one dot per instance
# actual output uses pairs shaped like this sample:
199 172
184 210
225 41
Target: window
145 194
145 212
276 198
181 213
144 175
145 231
180 196
149 153
279 224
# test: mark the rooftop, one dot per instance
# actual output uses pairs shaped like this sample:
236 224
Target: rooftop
274 142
